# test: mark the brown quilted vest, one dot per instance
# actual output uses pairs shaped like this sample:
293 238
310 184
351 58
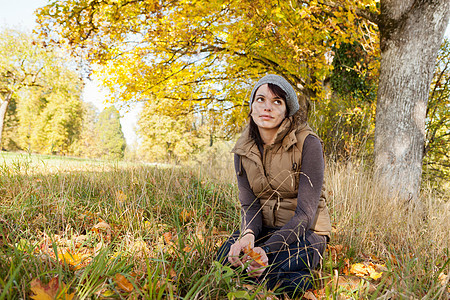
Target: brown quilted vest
276 184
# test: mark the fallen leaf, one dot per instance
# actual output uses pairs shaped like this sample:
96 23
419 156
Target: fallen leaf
107 294
75 261
103 227
254 255
168 237
173 274
80 240
98 248
346 268
123 283
359 270
50 291
444 280
249 287
366 269
376 275
309 296
185 215
140 248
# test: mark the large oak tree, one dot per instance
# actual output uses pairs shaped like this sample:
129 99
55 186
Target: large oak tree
411 33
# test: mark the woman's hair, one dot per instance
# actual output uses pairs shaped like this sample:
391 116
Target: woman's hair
254 132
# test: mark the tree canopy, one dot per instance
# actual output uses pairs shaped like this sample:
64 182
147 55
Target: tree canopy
46 92
204 55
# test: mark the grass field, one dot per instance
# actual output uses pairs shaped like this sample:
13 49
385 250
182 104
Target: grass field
80 229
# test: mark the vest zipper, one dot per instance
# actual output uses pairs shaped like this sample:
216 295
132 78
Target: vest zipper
275 209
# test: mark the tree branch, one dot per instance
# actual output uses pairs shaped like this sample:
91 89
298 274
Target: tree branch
363 13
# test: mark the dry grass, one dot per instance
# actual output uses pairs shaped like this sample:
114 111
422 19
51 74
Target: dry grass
166 224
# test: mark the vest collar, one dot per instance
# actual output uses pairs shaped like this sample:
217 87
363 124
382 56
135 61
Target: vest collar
285 136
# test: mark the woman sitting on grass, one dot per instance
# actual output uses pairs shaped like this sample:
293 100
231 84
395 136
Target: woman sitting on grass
279 164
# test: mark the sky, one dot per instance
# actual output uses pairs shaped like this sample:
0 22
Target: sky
19 14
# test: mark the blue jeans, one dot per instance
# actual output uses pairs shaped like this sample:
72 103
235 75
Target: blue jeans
290 267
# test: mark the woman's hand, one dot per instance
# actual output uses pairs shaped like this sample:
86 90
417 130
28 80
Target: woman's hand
235 250
255 269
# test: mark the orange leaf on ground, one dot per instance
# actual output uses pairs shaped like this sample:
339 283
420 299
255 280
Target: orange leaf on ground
359 270
75 261
173 274
185 215
367 269
123 283
346 267
254 255
50 291
168 237
336 251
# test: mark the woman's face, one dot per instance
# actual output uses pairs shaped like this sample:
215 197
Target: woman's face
268 110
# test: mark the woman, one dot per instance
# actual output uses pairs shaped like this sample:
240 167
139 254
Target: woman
279 164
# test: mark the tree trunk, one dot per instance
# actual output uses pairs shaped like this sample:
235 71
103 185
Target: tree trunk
3 109
411 32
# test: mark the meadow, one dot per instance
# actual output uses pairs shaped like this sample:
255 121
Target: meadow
91 229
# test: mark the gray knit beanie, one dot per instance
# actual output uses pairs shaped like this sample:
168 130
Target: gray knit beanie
291 96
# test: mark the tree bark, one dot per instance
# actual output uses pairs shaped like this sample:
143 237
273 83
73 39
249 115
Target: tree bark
3 109
411 32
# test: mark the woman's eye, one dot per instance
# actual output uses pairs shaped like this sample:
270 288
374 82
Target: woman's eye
259 99
278 102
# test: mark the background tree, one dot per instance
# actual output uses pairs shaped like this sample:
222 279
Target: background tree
170 139
50 117
212 62
87 143
21 65
346 117
410 35
437 147
112 141
10 128
46 93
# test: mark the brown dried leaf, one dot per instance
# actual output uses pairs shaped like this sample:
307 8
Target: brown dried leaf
345 269
103 227
75 261
309 296
168 238
123 283
50 291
